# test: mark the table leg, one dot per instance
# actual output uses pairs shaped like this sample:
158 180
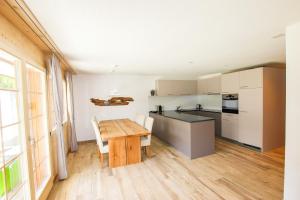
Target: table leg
117 152
133 146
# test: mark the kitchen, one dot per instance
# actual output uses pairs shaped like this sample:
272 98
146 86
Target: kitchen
149 99
251 113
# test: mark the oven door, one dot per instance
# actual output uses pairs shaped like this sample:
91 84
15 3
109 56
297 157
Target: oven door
230 106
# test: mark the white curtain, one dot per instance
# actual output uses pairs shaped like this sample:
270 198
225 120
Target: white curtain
72 136
57 91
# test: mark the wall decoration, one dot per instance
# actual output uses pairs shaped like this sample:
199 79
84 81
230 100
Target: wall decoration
114 101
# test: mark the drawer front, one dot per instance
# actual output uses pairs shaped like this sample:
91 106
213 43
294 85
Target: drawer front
230 126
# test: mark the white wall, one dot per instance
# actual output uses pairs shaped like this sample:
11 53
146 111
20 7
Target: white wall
100 86
292 155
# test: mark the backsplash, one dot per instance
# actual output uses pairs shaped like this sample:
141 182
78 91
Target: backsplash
186 102
211 101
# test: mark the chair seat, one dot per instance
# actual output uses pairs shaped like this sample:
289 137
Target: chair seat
145 141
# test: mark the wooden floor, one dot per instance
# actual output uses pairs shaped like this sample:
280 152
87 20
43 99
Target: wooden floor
233 172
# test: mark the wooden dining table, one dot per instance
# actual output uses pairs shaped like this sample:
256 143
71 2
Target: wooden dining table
124 141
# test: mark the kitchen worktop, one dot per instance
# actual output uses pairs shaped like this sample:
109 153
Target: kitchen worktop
210 110
182 116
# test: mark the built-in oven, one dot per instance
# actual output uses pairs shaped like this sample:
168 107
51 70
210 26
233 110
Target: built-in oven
230 103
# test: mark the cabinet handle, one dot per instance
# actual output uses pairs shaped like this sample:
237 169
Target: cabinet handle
245 86
243 111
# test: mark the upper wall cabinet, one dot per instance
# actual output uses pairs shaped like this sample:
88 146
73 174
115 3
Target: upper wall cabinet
252 78
214 85
202 86
230 83
176 87
211 85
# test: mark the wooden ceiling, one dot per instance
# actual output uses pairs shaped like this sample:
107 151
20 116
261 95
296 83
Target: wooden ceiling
19 14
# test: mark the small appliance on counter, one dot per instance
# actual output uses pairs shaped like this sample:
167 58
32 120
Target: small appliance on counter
199 107
159 108
152 92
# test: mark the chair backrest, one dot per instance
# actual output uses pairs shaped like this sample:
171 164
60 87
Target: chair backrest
140 119
149 124
97 133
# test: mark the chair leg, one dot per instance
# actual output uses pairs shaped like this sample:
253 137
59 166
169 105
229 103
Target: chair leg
148 151
101 159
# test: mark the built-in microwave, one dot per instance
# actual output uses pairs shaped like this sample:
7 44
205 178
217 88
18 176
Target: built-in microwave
230 103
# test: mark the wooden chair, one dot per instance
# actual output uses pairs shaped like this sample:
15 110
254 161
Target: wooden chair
146 140
140 119
103 146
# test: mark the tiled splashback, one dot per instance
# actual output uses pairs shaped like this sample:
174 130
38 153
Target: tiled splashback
186 102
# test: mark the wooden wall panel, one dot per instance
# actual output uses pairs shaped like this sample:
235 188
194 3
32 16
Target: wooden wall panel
16 43
274 108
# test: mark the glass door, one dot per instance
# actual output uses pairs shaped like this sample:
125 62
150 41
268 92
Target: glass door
13 162
39 138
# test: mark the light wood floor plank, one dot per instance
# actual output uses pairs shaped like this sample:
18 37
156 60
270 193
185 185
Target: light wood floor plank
232 173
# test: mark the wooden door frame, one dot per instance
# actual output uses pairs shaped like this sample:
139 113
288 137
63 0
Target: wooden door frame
49 183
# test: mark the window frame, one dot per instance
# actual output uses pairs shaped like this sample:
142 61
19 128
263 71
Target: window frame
20 122
46 100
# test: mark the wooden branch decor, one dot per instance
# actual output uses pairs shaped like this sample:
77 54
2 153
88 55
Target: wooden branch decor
115 101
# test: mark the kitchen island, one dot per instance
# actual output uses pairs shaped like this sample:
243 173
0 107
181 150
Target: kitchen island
192 135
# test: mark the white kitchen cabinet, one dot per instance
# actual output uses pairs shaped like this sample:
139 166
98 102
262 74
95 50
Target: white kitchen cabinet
261 119
252 78
211 85
186 87
230 126
230 83
201 87
251 116
176 87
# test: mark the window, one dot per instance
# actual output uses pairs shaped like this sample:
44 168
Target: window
13 162
36 92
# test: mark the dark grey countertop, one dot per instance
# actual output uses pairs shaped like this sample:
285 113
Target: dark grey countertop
211 110
184 116
202 110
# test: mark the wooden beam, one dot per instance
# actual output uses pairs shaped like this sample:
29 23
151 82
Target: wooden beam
20 15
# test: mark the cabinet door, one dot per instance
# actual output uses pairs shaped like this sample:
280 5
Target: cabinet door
165 88
230 83
202 86
186 87
213 85
176 87
252 78
158 125
230 125
251 116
